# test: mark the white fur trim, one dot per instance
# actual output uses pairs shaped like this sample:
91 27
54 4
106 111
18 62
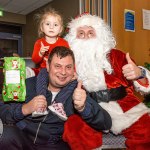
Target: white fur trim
139 87
100 148
121 120
86 20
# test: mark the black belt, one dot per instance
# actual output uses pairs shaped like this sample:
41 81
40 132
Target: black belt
113 94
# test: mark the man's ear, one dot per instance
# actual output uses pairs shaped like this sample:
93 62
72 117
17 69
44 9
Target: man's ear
47 66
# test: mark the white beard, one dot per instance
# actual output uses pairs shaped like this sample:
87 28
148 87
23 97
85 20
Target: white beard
91 61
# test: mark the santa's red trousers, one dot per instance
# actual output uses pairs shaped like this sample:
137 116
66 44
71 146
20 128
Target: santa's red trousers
138 135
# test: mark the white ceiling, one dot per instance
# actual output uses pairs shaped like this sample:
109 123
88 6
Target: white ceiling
22 6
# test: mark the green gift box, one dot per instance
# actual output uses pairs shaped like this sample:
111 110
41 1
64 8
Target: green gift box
14 88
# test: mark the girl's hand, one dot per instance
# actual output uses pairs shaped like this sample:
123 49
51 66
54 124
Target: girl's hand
43 49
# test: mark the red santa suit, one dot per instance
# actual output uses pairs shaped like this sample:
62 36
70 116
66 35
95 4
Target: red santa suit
129 115
100 69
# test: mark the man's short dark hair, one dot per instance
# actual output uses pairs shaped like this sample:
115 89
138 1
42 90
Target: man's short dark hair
61 52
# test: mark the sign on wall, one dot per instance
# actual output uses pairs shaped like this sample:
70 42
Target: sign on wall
146 19
129 20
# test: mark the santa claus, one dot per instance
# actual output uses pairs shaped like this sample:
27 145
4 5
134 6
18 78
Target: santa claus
111 77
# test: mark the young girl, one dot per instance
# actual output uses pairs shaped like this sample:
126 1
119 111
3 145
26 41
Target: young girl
50 27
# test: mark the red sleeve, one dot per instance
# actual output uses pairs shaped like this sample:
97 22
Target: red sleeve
35 55
146 84
63 42
118 60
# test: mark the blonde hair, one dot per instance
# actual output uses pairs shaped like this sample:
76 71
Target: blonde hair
40 17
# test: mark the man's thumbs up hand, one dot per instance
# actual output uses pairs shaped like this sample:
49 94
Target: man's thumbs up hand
131 71
79 85
79 97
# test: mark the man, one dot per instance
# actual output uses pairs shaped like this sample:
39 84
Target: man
22 131
107 74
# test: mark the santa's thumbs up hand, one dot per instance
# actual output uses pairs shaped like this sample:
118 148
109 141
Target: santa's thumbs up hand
131 71
129 60
79 97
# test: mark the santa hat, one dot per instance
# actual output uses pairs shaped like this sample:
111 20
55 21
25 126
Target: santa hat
81 136
85 19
